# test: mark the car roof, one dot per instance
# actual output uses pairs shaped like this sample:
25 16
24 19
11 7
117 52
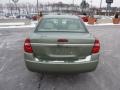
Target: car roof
61 16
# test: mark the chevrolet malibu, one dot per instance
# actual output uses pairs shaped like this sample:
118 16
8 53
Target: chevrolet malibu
61 43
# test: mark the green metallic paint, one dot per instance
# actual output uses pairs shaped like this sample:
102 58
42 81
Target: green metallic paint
44 52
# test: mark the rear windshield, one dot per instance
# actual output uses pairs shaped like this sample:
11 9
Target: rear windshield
61 24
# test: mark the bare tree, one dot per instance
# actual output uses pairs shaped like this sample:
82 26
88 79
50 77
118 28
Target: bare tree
10 7
1 9
84 5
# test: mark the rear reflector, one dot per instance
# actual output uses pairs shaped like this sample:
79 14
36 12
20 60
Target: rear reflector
96 47
27 46
62 40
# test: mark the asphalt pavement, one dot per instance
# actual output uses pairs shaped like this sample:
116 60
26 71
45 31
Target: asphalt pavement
15 76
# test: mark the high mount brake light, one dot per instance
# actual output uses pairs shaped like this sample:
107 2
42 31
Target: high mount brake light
62 40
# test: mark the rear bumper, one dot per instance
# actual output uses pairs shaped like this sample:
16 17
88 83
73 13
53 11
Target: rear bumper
61 67
85 65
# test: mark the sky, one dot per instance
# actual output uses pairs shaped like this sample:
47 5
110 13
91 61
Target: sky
94 2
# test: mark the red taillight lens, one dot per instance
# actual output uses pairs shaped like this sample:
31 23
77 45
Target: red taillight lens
27 46
96 47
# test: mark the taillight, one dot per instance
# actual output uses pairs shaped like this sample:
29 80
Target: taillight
27 46
96 47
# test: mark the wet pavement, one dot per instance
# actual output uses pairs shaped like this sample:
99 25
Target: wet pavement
15 76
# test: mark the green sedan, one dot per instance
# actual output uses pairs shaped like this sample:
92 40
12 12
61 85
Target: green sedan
61 43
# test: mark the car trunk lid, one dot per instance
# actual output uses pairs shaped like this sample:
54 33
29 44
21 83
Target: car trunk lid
61 46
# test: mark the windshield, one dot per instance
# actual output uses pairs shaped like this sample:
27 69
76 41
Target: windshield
60 24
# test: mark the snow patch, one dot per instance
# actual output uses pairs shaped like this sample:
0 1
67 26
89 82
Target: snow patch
2 44
12 24
23 26
105 24
33 25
